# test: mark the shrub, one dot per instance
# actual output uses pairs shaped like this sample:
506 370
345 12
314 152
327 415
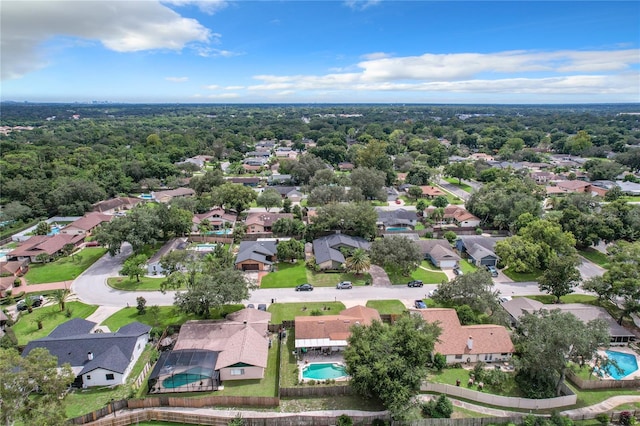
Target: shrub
344 420
625 418
68 312
379 422
17 282
478 231
439 361
440 408
141 305
603 419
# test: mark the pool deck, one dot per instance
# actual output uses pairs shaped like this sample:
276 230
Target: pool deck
623 349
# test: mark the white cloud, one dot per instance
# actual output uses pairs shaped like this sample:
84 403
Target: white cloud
208 52
224 96
122 26
558 72
207 6
212 87
234 88
361 4
177 79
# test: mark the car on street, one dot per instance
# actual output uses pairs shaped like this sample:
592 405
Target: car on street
262 307
493 271
36 301
504 298
251 306
304 287
415 283
344 285
419 304
458 271
433 292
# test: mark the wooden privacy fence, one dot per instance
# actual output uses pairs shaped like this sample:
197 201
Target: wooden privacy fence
223 419
502 401
207 401
480 421
306 391
98 414
602 384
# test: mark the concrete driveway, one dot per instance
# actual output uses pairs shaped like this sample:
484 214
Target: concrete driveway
379 277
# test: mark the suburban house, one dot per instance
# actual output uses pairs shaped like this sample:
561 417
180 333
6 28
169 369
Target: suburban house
464 219
432 192
86 224
518 306
468 343
198 160
399 218
116 205
217 219
261 223
51 245
258 162
15 268
6 283
256 255
327 250
346 167
479 249
290 192
235 348
439 253
329 333
153 264
168 195
278 179
97 359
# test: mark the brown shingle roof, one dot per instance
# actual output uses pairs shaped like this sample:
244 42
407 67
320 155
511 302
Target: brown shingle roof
90 221
334 327
266 219
487 338
44 244
431 191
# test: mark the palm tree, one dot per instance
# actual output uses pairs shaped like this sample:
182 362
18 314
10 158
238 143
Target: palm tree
359 262
60 297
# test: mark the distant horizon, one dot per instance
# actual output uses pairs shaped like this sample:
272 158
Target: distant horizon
316 52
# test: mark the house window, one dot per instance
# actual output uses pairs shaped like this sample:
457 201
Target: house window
488 357
110 376
88 376
458 356
237 371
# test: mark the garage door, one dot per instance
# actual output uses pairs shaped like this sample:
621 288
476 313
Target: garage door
250 267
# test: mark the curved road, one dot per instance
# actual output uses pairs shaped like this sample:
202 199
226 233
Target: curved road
91 287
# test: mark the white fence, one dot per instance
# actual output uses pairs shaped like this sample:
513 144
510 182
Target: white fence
502 401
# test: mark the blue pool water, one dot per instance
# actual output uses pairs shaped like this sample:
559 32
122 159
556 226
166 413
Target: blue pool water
626 362
205 247
190 376
146 196
393 228
221 232
55 230
324 371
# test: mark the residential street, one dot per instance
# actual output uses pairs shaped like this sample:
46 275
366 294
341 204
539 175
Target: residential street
91 287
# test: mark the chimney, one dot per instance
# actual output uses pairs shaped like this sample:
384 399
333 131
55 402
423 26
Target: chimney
470 343
89 356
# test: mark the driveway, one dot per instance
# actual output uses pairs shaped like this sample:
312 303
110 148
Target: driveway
379 277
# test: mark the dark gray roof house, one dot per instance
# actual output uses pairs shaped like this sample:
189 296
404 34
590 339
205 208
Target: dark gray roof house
86 352
256 255
398 217
439 253
479 249
327 249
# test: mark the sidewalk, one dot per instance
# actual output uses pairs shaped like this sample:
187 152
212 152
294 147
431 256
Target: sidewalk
36 288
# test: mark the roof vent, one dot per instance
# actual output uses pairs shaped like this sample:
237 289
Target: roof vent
89 356
470 343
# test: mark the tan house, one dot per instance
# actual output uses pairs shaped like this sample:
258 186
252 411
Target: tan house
432 192
167 196
86 224
43 244
14 268
256 255
464 219
217 218
468 343
330 332
241 341
261 223
115 205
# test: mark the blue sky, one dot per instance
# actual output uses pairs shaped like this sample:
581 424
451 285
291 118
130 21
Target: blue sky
320 51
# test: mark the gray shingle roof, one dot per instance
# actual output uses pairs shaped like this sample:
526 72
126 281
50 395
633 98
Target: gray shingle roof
74 327
328 248
256 250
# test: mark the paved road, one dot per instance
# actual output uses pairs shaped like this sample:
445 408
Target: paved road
454 189
588 269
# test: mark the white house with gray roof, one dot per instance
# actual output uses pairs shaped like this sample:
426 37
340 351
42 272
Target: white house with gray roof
479 249
97 359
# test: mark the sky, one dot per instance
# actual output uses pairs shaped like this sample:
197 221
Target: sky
329 51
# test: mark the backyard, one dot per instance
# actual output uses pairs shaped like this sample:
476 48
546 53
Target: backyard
26 329
64 269
289 275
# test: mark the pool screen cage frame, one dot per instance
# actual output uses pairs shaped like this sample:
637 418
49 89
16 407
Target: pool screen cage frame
191 364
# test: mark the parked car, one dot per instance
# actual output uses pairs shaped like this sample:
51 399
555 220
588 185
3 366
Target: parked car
433 292
262 307
304 287
415 283
251 306
492 270
344 285
505 298
36 301
419 304
458 271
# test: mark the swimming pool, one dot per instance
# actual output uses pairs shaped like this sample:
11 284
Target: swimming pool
55 230
397 228
146 196
626 362
205 247
190 376
324 371
220 232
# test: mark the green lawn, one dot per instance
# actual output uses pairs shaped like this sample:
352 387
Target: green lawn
387 307
26 329
595 256
467 267
288 311
169 315
83 401
463 186
145 284
65 268
592 397
450 197
408 201
569 298
631 198
449 376
427 277
522 276
289 275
